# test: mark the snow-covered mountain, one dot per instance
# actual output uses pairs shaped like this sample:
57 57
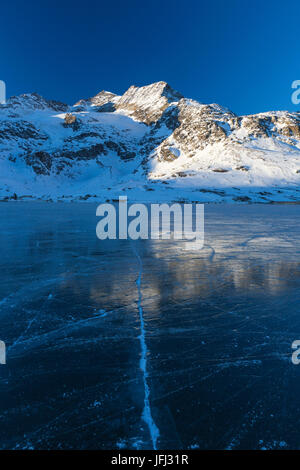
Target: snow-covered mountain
151 143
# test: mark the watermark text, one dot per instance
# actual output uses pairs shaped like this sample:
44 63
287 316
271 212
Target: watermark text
154 221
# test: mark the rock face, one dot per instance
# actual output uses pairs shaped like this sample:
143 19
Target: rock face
197 126
105 101
71 121
41 162
147 136
33 101
147 103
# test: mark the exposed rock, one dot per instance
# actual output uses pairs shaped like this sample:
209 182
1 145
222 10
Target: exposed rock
272 124
104 101
147 103
242 199
257 126
34 101
83 136
41 162
11 130
86 153
71 121
242 168
120 149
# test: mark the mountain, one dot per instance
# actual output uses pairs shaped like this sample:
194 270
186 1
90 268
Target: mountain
152 144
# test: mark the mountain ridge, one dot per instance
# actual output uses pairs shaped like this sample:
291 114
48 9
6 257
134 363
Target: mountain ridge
151 142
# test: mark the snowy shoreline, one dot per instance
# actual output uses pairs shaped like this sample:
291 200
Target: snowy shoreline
98 199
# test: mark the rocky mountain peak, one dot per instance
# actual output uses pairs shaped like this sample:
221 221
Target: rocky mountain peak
34 101
105 100
150 93
103 97
147 103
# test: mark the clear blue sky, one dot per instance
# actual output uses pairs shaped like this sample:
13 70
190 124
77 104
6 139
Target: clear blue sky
240 53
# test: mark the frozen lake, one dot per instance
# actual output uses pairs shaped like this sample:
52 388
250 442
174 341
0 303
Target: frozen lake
217 327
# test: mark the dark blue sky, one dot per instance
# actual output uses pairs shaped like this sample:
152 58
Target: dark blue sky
240 53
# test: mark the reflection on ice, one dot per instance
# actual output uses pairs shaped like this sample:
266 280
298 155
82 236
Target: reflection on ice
218 326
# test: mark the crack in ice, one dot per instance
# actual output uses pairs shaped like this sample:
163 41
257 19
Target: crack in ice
147 415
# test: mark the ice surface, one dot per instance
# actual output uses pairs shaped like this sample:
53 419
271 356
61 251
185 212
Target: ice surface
214 329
